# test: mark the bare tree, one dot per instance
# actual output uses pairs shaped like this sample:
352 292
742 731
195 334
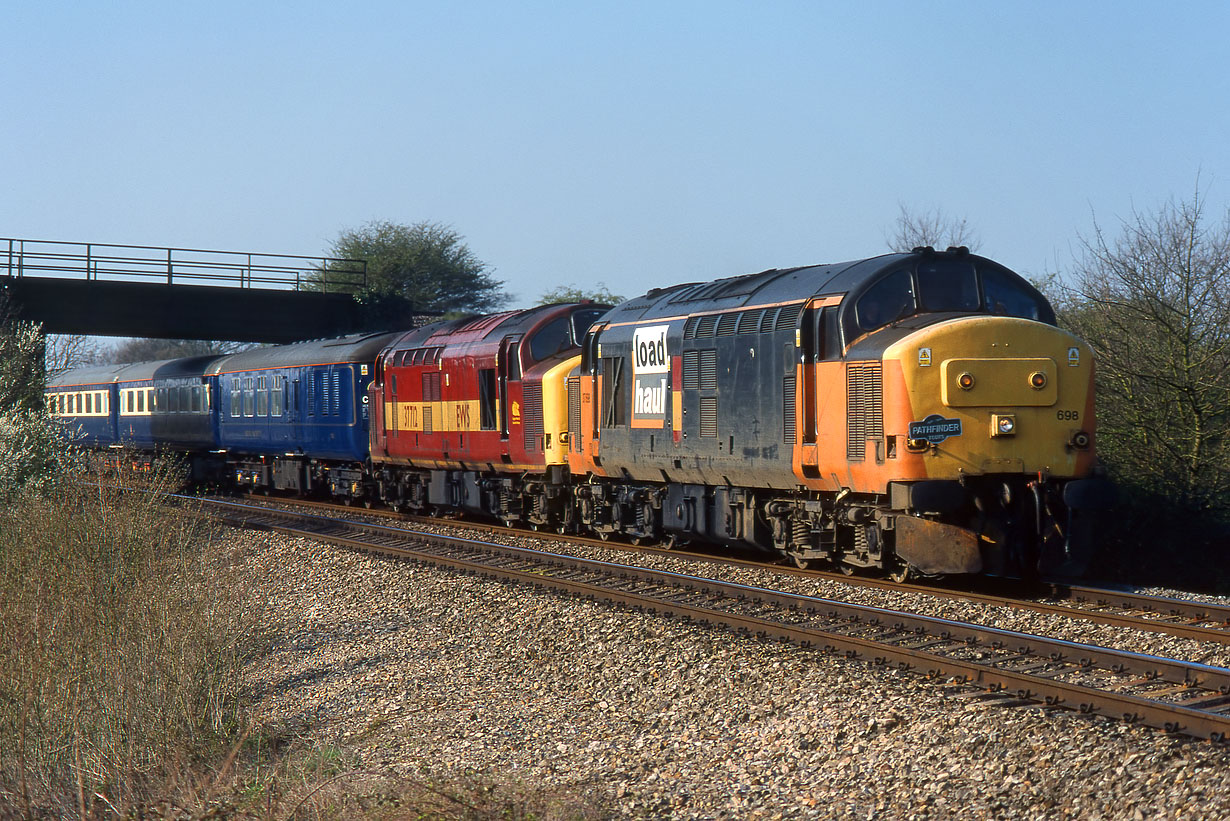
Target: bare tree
66 351
1154 303
147 350
933 227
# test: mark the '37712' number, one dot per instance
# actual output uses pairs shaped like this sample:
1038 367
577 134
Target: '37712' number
1067 415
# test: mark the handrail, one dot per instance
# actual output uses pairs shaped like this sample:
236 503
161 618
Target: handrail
179 266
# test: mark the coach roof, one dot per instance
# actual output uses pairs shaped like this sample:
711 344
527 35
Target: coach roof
345 349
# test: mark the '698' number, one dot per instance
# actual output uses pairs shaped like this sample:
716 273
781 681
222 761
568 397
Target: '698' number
1067 415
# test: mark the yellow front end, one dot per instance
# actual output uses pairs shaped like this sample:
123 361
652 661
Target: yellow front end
555 410
996 395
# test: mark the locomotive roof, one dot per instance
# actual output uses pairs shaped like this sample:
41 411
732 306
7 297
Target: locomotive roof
344 349
763 288
475 328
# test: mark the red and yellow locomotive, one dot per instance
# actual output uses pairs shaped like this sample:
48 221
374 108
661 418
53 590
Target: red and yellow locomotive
470 414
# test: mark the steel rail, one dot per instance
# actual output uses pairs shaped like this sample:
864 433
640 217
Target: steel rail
1204 621
910 641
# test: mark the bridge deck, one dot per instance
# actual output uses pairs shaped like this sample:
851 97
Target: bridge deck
147 291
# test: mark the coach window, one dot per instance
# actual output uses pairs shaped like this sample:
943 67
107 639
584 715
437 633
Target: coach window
277 397
196 399
236 396
249 397
262 396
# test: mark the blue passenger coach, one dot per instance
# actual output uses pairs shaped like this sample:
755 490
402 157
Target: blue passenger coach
286 407
167 404
84 399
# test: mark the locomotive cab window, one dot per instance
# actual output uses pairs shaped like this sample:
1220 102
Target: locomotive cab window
555 337
582 320
890 299
1004 296
945 285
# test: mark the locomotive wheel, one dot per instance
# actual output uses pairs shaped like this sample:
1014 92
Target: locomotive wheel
847 569
901 572
800 562
367 503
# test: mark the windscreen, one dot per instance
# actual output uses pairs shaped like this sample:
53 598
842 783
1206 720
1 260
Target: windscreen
946 286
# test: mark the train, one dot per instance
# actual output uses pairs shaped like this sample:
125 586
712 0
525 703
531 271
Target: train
910 414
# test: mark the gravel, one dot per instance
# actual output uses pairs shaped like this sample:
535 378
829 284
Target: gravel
407 667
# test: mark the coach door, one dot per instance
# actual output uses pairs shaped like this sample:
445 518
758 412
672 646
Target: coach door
509 372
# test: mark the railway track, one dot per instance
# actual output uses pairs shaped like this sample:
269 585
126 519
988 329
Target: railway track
1177 696
1164 615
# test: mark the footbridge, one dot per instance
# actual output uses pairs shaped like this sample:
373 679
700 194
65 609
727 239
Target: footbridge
185 293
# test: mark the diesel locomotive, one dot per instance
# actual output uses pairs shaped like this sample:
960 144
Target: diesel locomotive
911 413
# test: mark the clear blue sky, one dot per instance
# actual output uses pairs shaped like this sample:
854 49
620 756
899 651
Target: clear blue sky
634 143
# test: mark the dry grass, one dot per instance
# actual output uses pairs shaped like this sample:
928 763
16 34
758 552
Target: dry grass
125 628
121 645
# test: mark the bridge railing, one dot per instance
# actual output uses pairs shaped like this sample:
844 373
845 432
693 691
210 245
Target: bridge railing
179 266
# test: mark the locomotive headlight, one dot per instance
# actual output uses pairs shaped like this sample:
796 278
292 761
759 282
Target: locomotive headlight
1080 440
1003 424
1037 380
965 381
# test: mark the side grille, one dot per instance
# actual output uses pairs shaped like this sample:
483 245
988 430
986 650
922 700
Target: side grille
708 370
691 370
427 428
769 320
749 322
727 324
532 415
864 407
431 386
574 412
708 416
789 317
788 423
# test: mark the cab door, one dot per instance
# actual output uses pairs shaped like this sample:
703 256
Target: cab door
376 398
509 377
